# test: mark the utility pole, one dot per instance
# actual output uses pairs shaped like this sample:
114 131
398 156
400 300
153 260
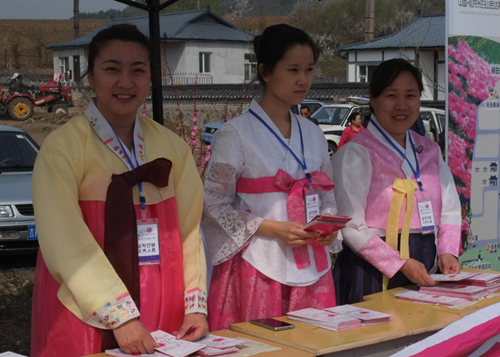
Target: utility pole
76 17
370 20
153 8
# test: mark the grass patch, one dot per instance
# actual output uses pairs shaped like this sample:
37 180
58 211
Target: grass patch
16 295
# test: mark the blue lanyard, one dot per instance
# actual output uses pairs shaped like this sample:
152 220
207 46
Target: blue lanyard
415 172
303 165
141 195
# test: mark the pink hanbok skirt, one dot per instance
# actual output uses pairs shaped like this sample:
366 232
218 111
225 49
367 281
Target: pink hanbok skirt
239 293
56 332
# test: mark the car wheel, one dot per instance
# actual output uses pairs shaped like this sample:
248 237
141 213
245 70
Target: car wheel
332 148
20 108
60 109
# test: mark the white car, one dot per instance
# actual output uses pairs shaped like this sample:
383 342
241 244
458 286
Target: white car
210 128
18 152
434 123
333 119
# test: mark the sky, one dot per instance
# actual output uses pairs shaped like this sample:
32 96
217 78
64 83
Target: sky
52 9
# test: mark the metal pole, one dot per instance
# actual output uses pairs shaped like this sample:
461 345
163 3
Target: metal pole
370 19
153 7
154 36
76 17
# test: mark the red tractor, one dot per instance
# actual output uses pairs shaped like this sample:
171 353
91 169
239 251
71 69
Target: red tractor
55 97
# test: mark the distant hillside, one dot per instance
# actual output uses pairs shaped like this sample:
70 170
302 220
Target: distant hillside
221 7
20 46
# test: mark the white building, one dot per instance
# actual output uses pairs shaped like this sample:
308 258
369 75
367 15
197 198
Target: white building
422 42
196 46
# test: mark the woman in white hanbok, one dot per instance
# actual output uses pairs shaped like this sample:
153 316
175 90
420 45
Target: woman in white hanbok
265 164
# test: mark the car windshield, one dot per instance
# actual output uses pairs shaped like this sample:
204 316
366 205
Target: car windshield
330 115
17 151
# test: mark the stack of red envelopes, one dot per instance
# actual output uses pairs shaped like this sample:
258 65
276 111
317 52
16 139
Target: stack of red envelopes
326 224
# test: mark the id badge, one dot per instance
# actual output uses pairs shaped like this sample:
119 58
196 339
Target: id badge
311 206
149 246
426 217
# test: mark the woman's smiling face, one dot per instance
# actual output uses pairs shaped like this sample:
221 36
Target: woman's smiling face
398 106
121 78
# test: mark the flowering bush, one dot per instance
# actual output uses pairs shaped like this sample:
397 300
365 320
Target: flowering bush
470 82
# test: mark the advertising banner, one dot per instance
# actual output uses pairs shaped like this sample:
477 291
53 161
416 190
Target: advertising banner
473 53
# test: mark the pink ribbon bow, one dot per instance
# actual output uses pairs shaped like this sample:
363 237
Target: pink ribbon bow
283 182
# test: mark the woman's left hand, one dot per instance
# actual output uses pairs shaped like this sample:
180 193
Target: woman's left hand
327 240
194 327
449 264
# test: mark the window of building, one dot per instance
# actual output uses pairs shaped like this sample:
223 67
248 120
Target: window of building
205 62
366 72
63 64
250 66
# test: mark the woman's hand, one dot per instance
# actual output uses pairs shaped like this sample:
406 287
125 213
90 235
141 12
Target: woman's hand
291 233
134 338
449 264
194 327
327 240
416 272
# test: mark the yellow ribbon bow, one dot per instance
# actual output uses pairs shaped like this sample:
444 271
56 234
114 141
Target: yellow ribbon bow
401 189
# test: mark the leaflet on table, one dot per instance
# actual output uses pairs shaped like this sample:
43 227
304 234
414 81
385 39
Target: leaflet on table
220 342
326 224
368 317
452 277
118 352
171 346
483 279
469 292
429 299
324 319
209 345
215 352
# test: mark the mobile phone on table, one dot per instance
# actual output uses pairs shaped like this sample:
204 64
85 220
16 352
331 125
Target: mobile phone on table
272 324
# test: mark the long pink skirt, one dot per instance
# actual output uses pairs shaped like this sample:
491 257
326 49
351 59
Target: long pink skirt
239 293
56 332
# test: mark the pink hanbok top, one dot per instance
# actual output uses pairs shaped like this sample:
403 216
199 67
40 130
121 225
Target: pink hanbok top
364 174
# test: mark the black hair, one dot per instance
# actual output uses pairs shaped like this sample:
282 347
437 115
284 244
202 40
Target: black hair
122 32
386 73
272 45
353 116
305 107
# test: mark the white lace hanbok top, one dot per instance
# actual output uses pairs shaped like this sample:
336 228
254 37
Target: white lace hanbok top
244 147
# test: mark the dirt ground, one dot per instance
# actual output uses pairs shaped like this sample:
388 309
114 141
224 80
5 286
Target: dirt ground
42 123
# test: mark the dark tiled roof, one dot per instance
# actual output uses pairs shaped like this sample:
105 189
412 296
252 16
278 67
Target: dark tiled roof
187 25
323 92
426 31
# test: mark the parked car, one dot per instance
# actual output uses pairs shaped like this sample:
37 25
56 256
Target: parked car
17 219
436 124
209 129
333 119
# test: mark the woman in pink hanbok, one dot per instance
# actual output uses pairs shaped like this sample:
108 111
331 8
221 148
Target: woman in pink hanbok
118 204
265 165
400 193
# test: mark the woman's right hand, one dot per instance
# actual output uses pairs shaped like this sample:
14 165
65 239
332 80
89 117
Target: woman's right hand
290 233
416 272
134 338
